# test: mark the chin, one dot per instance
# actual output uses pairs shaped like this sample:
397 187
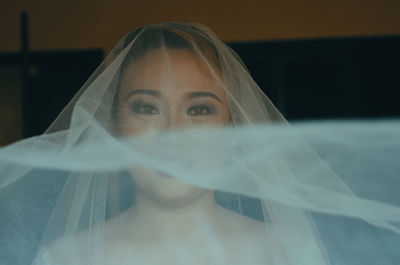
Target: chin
163 189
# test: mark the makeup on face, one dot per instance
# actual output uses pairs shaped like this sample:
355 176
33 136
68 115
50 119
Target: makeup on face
179 91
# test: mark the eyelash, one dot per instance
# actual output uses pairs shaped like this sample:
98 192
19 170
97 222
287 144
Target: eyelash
137 108
208 108
149 109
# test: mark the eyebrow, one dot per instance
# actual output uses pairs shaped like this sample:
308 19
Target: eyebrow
153 93
156 93
204 94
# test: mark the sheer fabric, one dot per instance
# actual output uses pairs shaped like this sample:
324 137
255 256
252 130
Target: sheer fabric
171 154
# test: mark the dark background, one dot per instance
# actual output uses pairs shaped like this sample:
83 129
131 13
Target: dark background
31 99
328 78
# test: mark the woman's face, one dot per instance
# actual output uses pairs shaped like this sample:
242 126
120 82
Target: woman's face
169 89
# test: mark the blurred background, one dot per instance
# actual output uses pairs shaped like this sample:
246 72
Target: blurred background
315 59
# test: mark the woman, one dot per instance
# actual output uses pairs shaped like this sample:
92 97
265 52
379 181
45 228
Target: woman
164 84
163 157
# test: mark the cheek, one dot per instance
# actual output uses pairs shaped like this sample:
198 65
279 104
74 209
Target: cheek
136 129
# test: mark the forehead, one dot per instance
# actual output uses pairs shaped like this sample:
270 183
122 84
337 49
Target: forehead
172 71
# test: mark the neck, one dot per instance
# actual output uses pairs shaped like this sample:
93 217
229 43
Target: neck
175 220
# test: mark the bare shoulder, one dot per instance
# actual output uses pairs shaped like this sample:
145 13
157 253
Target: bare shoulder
243 226
248 238
75 249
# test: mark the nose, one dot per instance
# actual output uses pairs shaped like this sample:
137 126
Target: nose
176 120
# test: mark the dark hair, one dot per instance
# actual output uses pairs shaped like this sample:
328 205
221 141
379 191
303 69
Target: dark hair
166 35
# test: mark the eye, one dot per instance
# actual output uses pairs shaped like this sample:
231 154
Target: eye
144 108
201 110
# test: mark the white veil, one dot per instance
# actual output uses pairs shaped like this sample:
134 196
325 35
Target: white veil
171 154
